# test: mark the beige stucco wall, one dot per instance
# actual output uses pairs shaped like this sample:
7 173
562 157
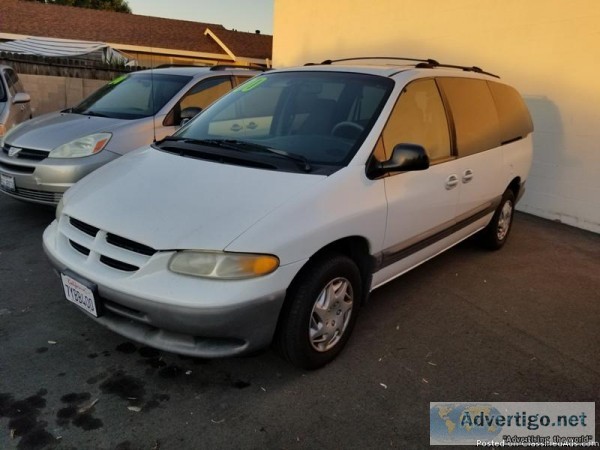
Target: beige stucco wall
50 93
548 49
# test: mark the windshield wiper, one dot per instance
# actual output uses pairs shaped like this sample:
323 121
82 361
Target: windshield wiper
239 145
233 144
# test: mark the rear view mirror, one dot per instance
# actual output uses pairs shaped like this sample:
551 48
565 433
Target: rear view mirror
188 114
405 157
21 97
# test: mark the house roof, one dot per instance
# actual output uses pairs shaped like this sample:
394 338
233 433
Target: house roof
251 45
67 22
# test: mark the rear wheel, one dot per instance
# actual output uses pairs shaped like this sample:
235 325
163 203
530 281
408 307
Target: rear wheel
320 312
495 234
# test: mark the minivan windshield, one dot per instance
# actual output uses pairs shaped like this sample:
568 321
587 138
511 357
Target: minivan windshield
303 119
132 96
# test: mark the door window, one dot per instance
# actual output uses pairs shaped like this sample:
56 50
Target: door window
474 114
206 92
14 84
198 98
419 118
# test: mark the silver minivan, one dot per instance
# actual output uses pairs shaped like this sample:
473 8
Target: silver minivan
14 101
42 158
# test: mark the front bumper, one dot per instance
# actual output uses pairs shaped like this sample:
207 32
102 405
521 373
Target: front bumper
45 181
176 313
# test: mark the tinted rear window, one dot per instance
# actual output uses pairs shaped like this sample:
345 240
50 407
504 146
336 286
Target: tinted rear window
474 114
515 121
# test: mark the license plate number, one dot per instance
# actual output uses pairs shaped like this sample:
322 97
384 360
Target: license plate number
80 294
7 182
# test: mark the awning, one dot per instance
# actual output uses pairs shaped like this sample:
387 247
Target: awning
66 48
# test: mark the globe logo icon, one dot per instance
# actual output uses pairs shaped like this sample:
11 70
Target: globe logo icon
455 423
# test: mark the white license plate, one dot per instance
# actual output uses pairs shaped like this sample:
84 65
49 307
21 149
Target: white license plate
80 294
7 182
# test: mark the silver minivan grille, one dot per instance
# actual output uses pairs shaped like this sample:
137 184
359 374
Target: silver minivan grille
109 249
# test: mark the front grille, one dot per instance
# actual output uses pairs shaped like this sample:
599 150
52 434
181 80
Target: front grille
81 226
40 196
136 247
27 153
15 168
112 251
79 248
119 265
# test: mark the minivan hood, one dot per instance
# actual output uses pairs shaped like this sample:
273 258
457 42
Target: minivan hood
51 130
169 202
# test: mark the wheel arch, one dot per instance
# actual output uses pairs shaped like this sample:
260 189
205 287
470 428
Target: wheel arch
516 187
357 248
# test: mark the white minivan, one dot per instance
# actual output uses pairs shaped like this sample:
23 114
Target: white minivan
271 216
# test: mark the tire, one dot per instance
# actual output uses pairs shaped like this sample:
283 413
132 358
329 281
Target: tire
494 236
315 323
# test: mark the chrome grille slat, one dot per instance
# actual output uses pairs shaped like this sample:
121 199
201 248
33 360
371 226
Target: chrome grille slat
27 153
48 197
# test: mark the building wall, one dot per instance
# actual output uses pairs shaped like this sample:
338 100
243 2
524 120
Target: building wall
50 93
548 49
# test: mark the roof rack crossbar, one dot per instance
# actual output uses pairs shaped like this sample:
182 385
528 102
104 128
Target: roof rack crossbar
234 66
468 69
421 63
331 61
166 66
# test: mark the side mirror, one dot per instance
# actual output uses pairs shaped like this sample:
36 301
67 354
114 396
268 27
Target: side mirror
405 158
188 114
21 97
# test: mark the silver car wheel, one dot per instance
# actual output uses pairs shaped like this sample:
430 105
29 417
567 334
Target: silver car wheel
504 220
331 314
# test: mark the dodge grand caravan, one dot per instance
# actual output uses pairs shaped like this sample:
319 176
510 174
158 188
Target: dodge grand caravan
271 216
42 158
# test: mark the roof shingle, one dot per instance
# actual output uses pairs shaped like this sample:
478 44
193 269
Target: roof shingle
68 22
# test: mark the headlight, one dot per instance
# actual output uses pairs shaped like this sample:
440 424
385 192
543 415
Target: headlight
59 209
222 265
84 146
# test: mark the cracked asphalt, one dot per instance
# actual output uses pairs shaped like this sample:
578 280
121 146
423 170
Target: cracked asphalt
520 324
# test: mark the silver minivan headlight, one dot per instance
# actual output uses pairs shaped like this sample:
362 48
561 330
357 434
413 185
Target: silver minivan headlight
221 265
84 146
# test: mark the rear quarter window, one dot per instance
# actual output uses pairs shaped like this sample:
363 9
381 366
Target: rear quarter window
474 114
514 117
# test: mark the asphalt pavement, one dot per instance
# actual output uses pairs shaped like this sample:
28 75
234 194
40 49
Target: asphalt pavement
520 324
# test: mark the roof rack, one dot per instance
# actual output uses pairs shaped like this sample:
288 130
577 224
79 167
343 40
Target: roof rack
331 61
233 66
166 66
421 63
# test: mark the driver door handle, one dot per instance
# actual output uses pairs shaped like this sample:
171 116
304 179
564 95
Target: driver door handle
451 182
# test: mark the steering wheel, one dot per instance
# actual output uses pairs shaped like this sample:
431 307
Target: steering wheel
353 126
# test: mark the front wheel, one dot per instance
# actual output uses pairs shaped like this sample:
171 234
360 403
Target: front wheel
320 312
495 234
